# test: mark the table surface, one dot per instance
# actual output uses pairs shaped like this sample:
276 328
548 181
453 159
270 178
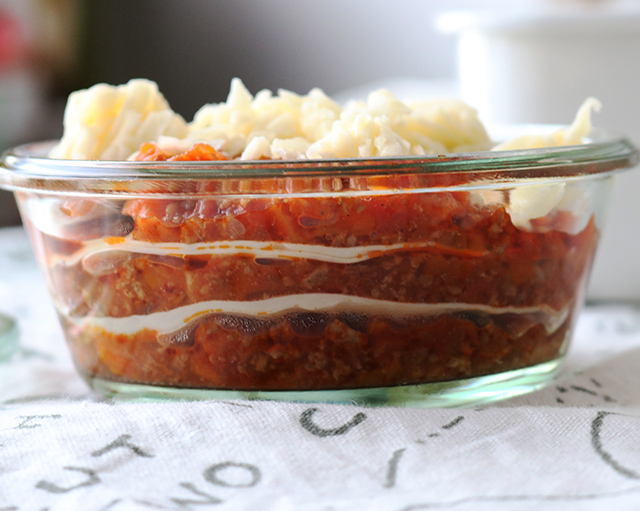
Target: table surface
572 445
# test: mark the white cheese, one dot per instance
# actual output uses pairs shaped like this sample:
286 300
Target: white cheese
109 123
531 201
316 127
167 322
573 135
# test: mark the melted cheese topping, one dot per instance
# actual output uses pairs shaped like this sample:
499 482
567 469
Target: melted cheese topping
110 123
289 126
573 135
107 123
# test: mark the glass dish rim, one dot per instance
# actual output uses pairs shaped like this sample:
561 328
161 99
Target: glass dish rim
25 168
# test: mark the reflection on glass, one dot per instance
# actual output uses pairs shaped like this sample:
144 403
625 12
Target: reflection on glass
8 336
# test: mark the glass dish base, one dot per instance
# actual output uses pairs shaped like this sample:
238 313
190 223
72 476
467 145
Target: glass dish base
468 392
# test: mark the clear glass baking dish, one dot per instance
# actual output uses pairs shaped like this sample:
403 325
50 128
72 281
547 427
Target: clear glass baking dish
416 281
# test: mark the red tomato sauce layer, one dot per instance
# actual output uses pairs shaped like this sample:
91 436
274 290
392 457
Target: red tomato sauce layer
508 296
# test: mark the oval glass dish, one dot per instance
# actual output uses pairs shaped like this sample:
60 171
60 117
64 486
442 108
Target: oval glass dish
415 281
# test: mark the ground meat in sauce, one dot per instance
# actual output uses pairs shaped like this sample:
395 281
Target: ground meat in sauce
467 254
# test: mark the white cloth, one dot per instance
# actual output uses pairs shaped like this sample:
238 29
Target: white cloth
573 445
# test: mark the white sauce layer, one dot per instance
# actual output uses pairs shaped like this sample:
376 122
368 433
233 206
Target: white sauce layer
258 249
173 320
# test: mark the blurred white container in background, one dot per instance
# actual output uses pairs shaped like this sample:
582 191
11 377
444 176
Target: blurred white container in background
537 66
